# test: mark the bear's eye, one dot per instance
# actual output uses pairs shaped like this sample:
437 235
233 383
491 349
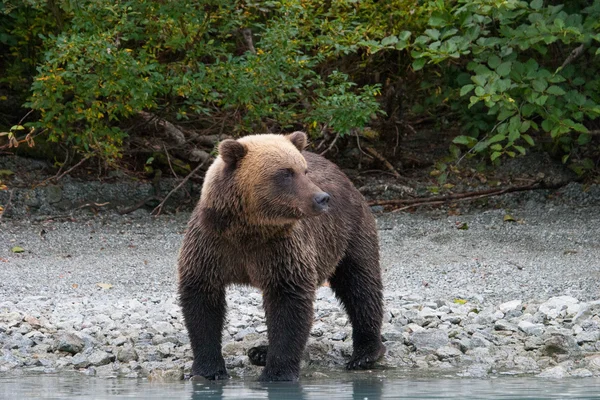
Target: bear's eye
286 173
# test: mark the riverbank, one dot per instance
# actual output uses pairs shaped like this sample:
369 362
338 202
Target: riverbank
511 287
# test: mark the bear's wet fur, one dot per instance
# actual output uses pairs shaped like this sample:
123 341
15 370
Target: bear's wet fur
284 220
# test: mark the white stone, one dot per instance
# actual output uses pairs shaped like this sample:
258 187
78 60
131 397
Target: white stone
557 372
555 305
531 328
510 306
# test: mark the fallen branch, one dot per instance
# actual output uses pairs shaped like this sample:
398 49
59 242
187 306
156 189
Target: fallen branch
385 162
138 205
157 210
408 203
177 136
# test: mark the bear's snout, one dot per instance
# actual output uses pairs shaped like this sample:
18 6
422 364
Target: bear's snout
321 202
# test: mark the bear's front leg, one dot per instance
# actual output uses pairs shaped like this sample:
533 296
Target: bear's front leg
204 310
289 314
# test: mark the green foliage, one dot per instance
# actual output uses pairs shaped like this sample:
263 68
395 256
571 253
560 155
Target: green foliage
518 82
501 68
116 59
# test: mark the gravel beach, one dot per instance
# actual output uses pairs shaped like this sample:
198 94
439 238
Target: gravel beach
511 288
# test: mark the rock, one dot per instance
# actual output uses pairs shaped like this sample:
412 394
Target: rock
69 343
594 362
127 354
428 340
510 306
586 311
100 357
557 305
533 343
531 329
164 328
447 352
53 194
80 360
428 313
526 363
392 334
581 373
165 349
452 318
243 333
261 328
583 337
557 372
166 375
340 335
503 325
560 344
476 371
33 322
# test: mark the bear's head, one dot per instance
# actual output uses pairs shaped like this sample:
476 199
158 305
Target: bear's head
266 177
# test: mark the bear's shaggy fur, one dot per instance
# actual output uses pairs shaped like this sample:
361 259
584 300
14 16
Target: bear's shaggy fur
283 220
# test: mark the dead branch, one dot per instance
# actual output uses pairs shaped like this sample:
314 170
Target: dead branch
173 133
169 161
337 136
461 196
573 56
385 162
157 210
58 177
177 136
138 205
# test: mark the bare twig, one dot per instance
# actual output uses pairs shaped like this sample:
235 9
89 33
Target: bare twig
62 165
331 145
573 56
169 160
157 210
385 162
26 115
7 206
57 178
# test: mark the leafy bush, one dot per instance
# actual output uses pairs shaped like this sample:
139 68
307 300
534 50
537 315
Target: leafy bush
501 66
519 69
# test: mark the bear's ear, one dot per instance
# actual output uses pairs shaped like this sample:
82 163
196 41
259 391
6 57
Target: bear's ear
232 151
298 138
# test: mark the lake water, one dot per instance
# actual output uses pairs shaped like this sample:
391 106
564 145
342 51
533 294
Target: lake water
356 387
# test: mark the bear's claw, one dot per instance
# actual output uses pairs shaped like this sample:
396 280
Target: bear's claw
258 355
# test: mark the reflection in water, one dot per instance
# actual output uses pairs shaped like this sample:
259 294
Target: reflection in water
360 389
338 386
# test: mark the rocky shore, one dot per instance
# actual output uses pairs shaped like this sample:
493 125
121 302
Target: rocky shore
472 294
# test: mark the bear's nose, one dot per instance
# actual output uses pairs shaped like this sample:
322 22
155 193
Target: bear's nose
321 201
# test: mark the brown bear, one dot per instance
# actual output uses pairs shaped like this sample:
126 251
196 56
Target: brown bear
284 220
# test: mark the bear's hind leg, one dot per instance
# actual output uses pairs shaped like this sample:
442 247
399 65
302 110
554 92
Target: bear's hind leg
204 311
357 283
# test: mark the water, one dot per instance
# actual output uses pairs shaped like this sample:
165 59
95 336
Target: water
354 387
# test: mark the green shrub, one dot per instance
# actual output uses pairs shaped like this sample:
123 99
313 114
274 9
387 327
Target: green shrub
514 52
